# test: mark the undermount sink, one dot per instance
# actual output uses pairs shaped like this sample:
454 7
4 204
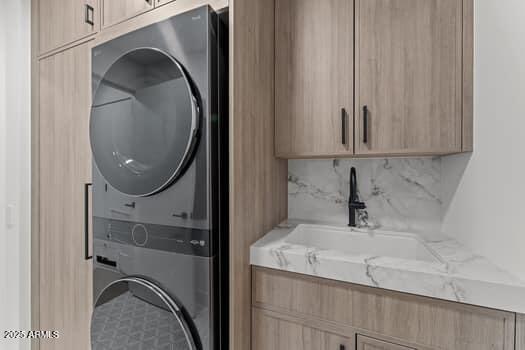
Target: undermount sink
361 242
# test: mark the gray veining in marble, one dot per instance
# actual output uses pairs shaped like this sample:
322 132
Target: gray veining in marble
400 194
458 276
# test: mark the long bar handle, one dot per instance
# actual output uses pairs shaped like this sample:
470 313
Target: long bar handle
365 124
343 126
87 213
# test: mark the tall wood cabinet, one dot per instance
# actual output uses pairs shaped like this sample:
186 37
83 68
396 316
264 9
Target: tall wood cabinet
62 22
406 93
65 285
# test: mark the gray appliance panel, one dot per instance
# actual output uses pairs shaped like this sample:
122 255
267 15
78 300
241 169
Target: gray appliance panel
133 313
188 277
166 238
190 39
144 122
185 278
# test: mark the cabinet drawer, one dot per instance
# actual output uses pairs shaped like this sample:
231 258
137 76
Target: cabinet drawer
367 343
412 319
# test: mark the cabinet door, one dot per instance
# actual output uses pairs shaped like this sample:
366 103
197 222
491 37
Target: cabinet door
409 76
215 4
366 343
62 22
271 333
314 77
65 167
115 11
162 2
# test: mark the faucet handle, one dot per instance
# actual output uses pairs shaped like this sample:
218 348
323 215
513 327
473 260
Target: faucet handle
357 205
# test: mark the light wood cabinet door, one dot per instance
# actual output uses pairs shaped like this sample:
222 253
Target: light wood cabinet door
62 22
409 76
162 2
116 11
271 333
366 343
215 4
65 167
429 323
314 53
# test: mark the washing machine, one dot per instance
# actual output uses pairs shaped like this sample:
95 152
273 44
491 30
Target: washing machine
158 132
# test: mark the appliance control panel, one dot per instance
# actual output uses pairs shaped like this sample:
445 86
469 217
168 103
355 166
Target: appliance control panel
166 238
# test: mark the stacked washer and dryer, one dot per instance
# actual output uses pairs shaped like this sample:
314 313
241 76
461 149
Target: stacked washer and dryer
158 133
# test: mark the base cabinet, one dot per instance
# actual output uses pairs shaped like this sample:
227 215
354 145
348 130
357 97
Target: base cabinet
293 311
272 333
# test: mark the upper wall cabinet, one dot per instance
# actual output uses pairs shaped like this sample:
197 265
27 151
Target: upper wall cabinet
62 22
408 76
162 2
115 11
314 60
412 81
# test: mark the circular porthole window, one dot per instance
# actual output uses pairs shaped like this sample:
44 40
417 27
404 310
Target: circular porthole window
144 122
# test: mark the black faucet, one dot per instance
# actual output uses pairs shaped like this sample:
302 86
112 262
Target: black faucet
353 200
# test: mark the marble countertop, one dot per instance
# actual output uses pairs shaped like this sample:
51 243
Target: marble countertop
460 276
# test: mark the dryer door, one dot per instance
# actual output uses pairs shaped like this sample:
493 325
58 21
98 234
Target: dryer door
144 122
134 313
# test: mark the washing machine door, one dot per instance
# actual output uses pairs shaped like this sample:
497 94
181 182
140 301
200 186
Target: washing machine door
144 122
134 313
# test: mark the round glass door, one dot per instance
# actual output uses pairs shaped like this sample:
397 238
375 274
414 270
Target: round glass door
133 313
144 122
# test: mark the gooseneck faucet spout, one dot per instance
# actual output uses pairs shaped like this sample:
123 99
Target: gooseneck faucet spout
353 200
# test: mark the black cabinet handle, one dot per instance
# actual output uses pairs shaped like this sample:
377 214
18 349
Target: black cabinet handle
90 15
342 347
343 126
86 221
365 124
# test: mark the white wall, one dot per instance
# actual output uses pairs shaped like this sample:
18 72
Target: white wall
486 191
14 170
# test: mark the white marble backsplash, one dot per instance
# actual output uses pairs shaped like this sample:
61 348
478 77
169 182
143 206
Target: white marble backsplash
400 194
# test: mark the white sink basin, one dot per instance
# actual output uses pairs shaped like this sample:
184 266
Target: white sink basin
360 242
